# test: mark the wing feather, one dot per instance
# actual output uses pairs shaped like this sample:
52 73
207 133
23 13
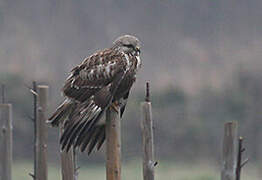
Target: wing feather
91 88
82 131
93 74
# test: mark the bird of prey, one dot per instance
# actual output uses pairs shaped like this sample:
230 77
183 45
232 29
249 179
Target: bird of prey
103 80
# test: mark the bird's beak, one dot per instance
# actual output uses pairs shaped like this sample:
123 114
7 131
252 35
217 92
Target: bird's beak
138 49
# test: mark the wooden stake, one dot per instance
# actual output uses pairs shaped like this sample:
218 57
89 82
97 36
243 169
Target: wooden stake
240 164
76 167
229 156
3 93
239 158
7 150
41 132
148 140
113 145
34 92
67 163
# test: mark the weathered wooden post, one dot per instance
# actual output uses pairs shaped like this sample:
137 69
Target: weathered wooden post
148 140
34 92
240 164
7 150
229 156
113 145
67 163
239 158
41 134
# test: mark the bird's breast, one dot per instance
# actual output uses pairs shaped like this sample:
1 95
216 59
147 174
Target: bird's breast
138 62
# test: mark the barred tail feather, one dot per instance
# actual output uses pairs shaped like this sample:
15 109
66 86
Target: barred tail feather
61 113
82 128
94 140
101 139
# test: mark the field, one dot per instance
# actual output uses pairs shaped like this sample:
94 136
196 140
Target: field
133 171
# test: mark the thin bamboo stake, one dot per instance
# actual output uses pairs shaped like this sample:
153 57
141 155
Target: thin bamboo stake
7 150
113 145
41 132
229 156
148 140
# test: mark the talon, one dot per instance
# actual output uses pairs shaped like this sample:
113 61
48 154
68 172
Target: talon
115 106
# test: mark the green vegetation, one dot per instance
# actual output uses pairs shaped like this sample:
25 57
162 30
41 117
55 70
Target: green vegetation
192 125
133 171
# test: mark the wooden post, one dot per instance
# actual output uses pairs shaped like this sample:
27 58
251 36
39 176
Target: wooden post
239 158
148 140
41 132
67 163
113 145
76 167
229 156
34 90
7 150
240 164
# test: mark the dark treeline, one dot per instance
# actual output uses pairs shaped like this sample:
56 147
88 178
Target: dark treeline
186 126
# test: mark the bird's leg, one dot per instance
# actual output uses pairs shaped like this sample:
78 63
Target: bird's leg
115 106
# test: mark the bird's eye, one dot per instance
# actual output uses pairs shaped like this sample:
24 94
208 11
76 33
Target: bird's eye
129 46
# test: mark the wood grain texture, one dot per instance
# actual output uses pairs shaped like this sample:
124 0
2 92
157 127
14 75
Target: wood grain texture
148 141
67 163
7 136
229 156
113 145
41 134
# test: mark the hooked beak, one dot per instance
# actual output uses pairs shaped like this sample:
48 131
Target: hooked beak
138 49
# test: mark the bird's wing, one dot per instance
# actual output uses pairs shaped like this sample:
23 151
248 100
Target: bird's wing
95 73
82 127
93 86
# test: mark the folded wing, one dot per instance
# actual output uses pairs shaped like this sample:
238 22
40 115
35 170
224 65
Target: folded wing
89 90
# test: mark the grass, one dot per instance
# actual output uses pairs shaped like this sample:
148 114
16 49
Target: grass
133 171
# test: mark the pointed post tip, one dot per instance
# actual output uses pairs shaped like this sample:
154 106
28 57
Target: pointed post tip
147 99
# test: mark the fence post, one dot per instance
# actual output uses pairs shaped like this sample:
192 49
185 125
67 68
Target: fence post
148 141
41 134
67 163
113 145
229 156
7 150
76 167
34 90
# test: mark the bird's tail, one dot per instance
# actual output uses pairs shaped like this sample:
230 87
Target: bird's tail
85 128
61 113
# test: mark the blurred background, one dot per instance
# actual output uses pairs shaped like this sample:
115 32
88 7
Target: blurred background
202 58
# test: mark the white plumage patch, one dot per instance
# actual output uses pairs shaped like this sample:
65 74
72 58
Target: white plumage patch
91 74
127 60
138 65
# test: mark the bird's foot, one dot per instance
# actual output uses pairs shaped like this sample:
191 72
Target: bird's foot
115 106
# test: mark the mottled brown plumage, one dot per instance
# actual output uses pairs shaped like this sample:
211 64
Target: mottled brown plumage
100 80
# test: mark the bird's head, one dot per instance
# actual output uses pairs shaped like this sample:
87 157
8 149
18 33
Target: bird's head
127 44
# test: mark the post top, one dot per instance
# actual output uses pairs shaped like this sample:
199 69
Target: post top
43 86
7 105
147 98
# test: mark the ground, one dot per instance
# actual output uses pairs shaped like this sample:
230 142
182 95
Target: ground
133 171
